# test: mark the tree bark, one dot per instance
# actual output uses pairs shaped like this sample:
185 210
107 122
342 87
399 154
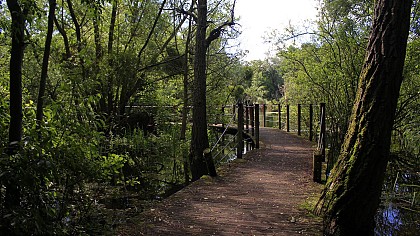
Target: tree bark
12 195
110 81
185 100
16 62
352 194
76 26
97 38
44 70
185 84
200 141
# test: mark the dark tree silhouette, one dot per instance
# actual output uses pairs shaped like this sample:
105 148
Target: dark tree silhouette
18 13
16 61
45 60
199 165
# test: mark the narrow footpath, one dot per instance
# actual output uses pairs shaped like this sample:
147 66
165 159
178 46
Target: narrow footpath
263 194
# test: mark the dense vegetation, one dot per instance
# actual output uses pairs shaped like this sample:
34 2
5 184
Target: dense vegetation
119 76
106 103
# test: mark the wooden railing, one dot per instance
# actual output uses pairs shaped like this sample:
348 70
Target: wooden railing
247 117
246 122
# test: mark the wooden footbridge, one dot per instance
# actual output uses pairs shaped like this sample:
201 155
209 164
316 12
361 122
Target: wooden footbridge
265 193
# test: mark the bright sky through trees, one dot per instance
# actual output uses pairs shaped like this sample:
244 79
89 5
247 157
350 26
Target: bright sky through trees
258 18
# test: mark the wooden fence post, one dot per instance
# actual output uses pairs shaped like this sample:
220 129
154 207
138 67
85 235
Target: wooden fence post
210 164
240 146
323 131
288 117
223 116
251 117
317 167
223 126
319 155
299 118
257 126
279 109
264 115
311 117
247 117
234 112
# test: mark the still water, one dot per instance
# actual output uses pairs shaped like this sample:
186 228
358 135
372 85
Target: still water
399 213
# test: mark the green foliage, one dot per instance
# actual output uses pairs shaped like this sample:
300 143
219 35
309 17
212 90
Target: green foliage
84 144
327 68
149 161
50 174
263 81
112 165
4 114
238 93
406 127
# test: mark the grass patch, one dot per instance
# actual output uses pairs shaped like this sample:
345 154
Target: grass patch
309 204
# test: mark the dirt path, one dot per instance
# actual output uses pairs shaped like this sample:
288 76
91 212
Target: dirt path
260 195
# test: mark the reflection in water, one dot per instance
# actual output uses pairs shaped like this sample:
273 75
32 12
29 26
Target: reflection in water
388 221
399 213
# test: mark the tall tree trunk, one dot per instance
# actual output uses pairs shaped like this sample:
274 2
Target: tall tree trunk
97 38
199 165
110 84
185 84
76 26
12 195
44 70
352 194
16 61
112 26
185 100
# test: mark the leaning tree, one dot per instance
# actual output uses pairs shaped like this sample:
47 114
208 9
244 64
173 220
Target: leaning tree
352 194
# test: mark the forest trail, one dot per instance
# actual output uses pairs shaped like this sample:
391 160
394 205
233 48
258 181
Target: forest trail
263 194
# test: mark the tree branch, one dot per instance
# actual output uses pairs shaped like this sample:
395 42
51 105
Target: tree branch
215 33
151 32
187 12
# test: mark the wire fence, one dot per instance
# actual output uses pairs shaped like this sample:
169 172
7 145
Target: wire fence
306 120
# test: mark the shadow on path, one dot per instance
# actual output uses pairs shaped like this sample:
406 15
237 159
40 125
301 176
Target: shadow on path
260 195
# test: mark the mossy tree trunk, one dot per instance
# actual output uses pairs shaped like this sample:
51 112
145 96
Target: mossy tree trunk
352 194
